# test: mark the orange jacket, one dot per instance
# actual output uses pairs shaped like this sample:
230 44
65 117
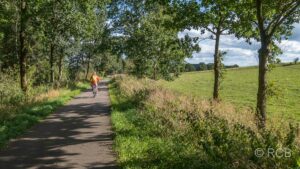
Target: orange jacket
94 79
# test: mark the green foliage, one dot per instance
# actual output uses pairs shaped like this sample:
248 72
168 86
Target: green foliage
202 66
273 90
151 43
10 92
8 53
189 67
55 36
278 16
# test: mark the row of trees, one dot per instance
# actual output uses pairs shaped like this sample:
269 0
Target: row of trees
54 41
150 38
203 66
150 28
57 39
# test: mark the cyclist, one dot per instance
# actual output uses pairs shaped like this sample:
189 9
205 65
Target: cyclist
94 83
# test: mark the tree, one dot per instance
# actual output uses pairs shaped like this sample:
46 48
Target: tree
67 20
189 67
27 12
202 66
9 36
56 23
22 42
214 16
210 66
267 21
296 60
151 42
41 34
23 47
97 44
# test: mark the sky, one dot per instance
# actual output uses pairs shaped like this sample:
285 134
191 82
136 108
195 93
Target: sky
239 52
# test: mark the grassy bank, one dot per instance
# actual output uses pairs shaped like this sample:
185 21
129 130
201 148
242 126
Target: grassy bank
159 128
15 120
240 87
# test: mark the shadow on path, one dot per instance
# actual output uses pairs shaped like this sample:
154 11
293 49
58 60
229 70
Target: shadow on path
78 135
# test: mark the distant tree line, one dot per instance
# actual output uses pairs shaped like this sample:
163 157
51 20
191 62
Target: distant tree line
205 66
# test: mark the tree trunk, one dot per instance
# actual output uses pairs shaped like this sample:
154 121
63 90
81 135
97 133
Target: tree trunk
123 65
88 67
264 52
23 48
261 106
60 65
217 68
16 31
155 71
51 63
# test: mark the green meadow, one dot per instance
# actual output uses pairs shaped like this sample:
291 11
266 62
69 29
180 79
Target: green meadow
239 87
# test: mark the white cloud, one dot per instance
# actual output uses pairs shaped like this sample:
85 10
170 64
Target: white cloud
193 33
291 50
238 51
290 46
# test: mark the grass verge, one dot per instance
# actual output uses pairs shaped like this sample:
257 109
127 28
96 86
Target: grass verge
26 116
134 142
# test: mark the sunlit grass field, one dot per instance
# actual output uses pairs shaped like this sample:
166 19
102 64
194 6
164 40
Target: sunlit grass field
240 86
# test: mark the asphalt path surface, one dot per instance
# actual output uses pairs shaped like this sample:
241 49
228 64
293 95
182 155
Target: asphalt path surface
78 135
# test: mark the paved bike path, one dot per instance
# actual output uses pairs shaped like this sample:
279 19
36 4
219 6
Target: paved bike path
77 135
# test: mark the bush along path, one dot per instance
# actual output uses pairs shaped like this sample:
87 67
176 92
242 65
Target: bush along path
77 135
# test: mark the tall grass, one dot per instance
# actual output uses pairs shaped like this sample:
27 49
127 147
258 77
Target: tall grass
158 128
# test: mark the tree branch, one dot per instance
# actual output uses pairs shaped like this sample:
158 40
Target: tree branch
284 10
279 22
256 23
210 30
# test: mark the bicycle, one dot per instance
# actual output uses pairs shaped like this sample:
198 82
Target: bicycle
95 90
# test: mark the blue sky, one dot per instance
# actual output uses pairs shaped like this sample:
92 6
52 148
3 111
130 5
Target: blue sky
241 53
